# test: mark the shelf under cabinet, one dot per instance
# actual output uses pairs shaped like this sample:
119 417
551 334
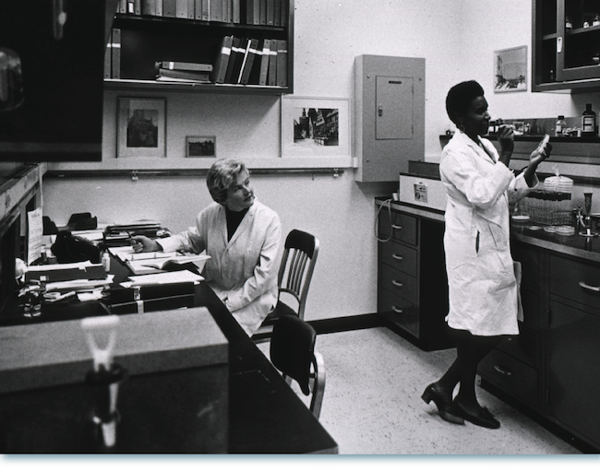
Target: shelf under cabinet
151 85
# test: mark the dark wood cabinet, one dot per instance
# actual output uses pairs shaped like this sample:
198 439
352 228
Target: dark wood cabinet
145 40
412 291
552 366
566 44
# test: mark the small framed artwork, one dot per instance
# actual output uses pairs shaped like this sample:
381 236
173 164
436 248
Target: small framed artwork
201 146
510 70
315 127
141 127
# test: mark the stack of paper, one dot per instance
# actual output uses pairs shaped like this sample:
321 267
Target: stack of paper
182 276
144 263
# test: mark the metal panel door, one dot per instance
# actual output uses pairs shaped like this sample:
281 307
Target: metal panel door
395 99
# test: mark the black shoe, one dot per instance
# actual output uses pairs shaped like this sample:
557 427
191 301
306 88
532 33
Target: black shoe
446 408
483 417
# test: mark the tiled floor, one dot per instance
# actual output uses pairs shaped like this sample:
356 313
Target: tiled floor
372 403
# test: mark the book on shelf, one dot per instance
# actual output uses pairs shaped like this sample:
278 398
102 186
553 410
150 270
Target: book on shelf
277 13
236 11
223 60
159 7
285 11
215 10
238 58
244 57
282 63
130 7
251 53
263 12
271 12
108 58
122 7
169 8
234 53
264 62
116 53
272 72
137 7
182 75
149 7
184 9
189 66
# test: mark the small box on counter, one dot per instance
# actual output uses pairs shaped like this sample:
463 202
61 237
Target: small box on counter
149 298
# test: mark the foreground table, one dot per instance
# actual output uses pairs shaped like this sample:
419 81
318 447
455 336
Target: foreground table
265 415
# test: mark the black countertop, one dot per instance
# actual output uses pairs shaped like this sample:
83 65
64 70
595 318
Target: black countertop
585 248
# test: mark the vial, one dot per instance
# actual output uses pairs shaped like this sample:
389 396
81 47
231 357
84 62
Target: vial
106 261
561 125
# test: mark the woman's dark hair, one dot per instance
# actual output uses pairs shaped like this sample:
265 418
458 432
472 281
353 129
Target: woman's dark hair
460 97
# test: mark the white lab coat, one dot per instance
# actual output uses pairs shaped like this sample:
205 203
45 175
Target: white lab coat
242 271
482 285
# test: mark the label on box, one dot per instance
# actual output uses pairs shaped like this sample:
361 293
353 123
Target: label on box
420 192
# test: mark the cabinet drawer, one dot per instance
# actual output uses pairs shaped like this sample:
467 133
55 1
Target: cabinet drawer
398 283
523 346
399 256
575 280
398 310
402 227
510 375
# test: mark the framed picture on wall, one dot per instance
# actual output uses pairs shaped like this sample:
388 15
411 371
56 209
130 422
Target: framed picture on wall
201 146
315 127
510 70
141 127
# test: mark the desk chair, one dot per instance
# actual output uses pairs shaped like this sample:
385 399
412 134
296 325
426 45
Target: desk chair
292 352
296 270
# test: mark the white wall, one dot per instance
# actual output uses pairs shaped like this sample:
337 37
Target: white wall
456 38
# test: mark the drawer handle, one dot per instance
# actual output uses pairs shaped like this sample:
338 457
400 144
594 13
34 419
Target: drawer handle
503 370
397 309
397 228
397 257
589 288
397 283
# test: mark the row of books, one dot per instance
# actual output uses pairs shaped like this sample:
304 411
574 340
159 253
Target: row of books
251 12
248 61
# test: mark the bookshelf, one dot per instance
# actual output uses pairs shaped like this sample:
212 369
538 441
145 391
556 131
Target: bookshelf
147 39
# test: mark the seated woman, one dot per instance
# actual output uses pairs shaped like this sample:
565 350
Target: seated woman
242 237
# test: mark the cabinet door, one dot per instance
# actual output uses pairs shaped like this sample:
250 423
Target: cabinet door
574 369
577 46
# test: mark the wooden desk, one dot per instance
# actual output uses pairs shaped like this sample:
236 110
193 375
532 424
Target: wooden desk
265 414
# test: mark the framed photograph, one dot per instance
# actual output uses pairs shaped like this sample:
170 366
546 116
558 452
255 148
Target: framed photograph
201 146
141 127
510 70
315 127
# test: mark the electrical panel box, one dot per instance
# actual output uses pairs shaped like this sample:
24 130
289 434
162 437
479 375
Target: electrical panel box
389 115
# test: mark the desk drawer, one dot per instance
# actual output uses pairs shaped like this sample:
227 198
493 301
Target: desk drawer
402 227
398 310
398 283
575 280
399 256
510 375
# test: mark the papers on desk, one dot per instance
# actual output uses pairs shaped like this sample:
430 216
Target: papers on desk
182 276
145 263
81 276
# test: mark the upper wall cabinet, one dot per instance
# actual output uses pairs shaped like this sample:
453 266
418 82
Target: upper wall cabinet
248 43
566 45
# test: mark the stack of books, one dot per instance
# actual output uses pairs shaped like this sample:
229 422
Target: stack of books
169 71
247 61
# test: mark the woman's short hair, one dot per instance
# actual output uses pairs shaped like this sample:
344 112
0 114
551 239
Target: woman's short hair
460 97
220 175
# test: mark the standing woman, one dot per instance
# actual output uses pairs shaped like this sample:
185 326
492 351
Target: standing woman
482 285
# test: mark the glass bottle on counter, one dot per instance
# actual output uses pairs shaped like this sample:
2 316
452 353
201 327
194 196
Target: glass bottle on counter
560 126
588 121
